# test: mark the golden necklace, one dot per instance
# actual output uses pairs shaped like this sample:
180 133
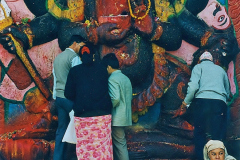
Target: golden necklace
131 12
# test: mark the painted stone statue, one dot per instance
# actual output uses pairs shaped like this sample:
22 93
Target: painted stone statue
146 36
25 115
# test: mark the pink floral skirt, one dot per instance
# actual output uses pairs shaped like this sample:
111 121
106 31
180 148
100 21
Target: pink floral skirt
94 141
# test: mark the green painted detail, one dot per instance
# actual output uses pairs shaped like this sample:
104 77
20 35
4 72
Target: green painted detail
179 6
30 90
58 4
4 69
54 15
178 58
235 96
10 100
6 110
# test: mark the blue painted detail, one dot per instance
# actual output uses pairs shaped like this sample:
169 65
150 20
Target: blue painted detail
222 2
14 110
151 117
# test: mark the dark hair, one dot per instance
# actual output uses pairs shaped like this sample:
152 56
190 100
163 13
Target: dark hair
89 48
111 60
75 38
87 59
86 53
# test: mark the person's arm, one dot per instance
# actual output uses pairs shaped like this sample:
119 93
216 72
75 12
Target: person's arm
54 85
70 87
193 85
227 85
114 92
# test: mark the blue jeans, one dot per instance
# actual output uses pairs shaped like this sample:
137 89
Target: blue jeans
64 106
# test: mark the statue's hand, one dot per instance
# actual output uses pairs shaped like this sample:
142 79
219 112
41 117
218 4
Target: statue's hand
180 111
111 33
7 41
229 47
224 44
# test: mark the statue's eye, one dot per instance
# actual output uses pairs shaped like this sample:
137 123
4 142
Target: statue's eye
221 18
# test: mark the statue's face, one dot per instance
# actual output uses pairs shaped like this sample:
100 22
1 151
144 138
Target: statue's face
135 61
216 154
215 15
112 7
114 11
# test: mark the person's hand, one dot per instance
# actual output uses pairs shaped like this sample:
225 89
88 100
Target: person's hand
7 41
111 32
181 110
81 44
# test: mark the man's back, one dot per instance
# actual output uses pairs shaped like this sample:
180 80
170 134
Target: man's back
87 86
62 65
213 81
121 98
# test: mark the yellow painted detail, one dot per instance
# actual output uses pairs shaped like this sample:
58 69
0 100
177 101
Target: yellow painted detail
179 5
138 113
142 17
157 50
164 10
88 23
30 36
37 79
34 100
5 22
143 112
135 117
22 56
74 13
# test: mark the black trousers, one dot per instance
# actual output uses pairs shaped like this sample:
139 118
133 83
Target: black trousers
210 122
